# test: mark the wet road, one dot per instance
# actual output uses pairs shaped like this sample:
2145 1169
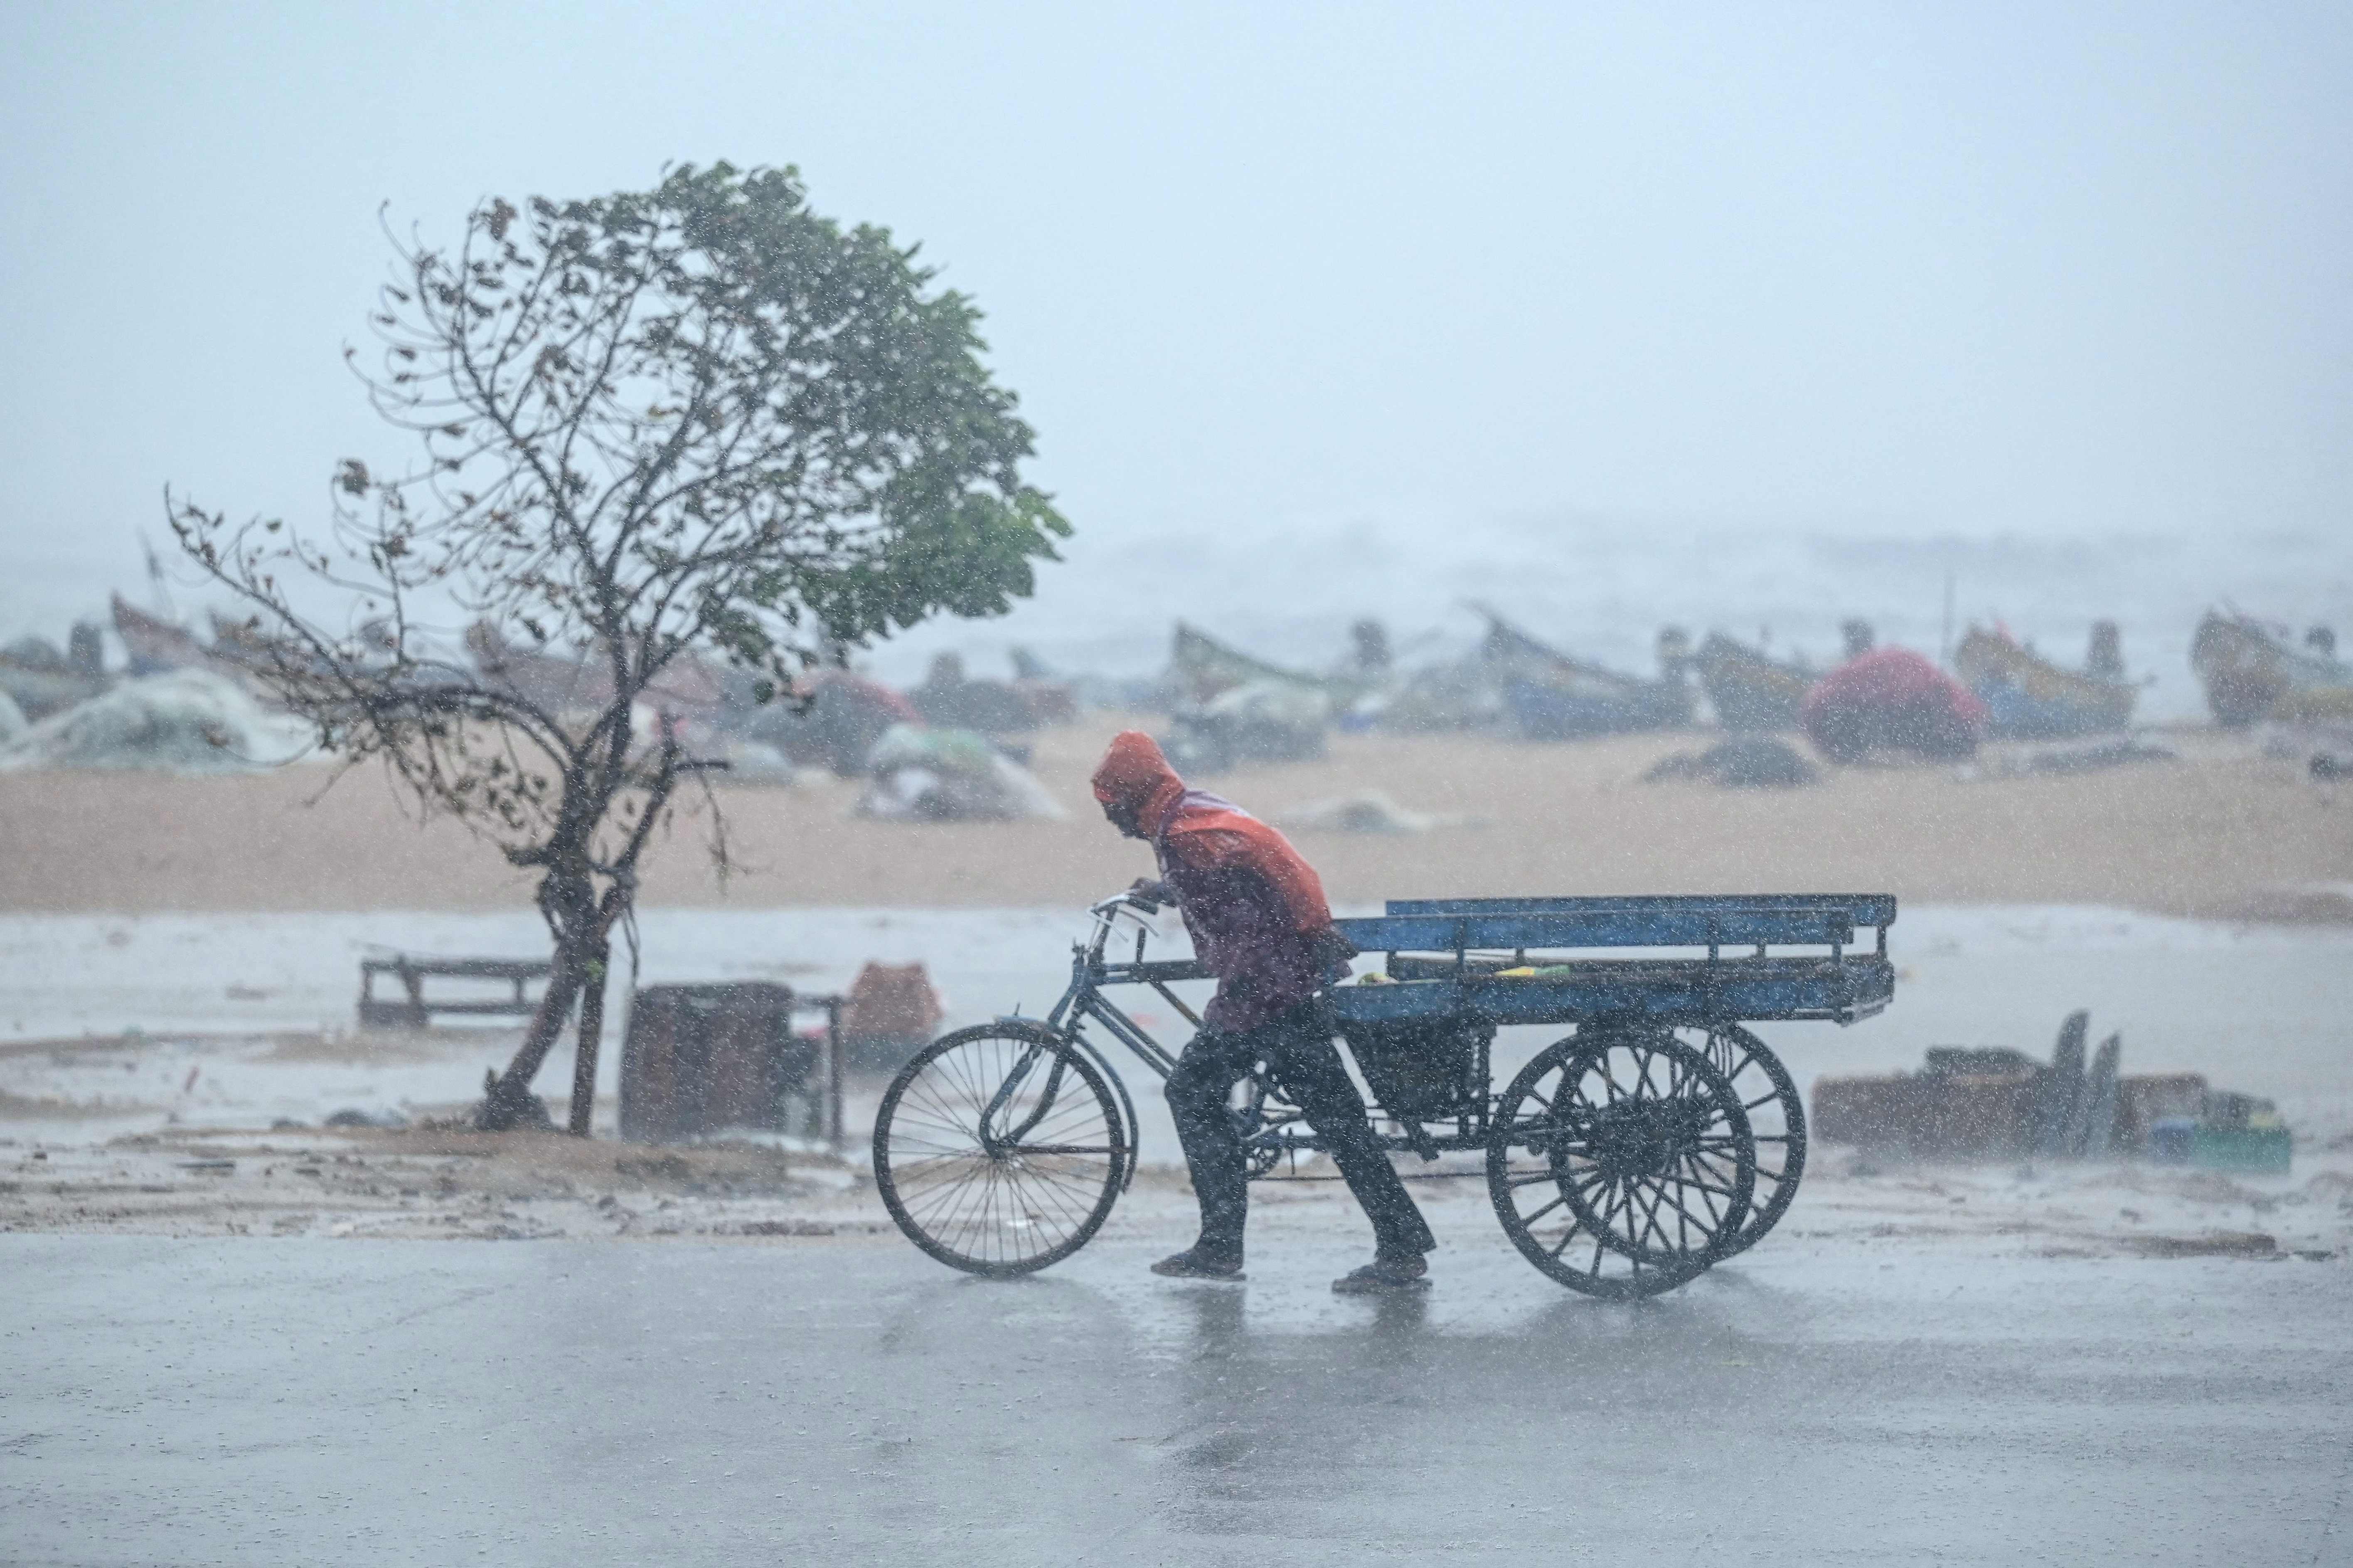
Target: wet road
356 1402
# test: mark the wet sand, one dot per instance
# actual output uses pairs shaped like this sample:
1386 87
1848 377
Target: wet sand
2225 832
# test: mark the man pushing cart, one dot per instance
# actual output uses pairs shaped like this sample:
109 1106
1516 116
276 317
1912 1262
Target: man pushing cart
1259 924
1657 1138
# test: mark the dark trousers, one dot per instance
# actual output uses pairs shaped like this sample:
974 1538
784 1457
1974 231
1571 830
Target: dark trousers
1297 1048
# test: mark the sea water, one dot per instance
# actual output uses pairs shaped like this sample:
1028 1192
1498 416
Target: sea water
1602 589
1594 587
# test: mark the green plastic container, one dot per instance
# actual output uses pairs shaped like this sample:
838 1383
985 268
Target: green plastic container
2262 1151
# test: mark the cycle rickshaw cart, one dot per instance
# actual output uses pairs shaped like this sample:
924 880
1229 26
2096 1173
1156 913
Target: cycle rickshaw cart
1659 1136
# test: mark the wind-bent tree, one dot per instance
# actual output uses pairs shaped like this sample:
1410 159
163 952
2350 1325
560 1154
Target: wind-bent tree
698 422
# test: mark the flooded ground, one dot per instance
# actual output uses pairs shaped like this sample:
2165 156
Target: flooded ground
232 1344
124 1024
1891 1402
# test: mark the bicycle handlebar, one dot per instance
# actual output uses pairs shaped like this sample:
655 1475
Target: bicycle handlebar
1107 912
1129 900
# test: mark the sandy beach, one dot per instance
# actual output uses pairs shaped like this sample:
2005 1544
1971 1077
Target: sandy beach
2223 831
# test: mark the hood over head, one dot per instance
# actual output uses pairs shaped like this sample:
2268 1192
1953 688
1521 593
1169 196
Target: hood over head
1134 776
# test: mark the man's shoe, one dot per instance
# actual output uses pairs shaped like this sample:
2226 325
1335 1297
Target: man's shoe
1409 1272
1190 1264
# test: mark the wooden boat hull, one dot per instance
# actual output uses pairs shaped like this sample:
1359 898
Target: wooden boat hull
1201 668
1552 697
1748 690
2252 671
1550 712
2029 697
156 645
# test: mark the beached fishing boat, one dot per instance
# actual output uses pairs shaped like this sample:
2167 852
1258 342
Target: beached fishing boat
154 644
2253 671
1229 707
1553 696
1749 688
1201 668
1455 695
40 687
2030 698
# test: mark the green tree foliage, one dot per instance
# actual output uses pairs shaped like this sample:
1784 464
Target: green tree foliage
662 431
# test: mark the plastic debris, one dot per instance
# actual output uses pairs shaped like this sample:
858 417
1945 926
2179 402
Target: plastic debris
386 1121
892 1011
1369 811
1994 1102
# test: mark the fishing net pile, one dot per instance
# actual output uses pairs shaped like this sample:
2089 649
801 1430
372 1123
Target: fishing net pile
950 775
187 721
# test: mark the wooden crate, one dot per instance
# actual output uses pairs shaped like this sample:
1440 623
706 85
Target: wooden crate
1929 1115
2146 1099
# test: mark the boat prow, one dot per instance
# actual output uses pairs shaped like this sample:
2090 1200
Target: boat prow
2030 698
1556 698
2253 671
1750 689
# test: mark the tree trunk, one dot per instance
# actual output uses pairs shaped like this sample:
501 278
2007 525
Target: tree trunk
507 1100
568 900
591 1036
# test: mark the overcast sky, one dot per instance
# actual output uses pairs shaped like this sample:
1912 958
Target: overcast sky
1906 270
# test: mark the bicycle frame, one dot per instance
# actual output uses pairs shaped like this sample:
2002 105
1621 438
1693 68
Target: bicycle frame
1083 1000
1275 1130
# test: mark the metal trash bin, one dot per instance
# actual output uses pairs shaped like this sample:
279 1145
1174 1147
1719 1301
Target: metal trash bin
699 1059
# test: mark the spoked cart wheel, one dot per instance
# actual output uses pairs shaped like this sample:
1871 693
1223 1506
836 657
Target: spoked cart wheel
1776 1121
1621 1162
1000 1150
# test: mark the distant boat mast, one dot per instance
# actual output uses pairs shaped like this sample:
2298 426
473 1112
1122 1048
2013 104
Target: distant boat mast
156 581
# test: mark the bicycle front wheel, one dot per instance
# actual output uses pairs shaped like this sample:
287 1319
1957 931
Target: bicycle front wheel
1000 1150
